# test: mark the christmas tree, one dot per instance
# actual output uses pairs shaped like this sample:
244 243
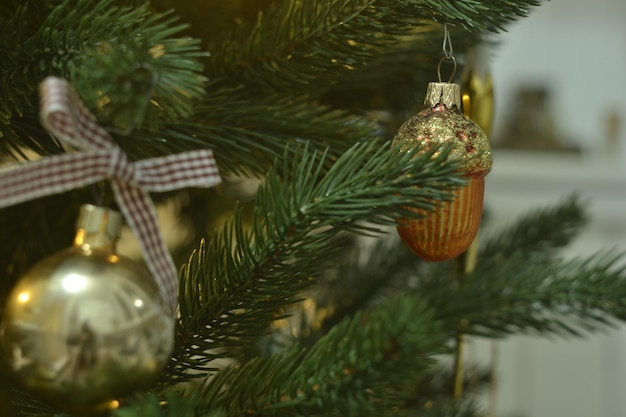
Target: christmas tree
283 310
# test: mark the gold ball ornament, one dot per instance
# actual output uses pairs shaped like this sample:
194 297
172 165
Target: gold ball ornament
447 231
86 326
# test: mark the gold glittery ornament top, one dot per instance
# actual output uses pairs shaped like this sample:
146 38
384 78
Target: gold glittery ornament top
441 123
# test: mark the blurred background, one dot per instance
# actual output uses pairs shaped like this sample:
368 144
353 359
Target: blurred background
560 112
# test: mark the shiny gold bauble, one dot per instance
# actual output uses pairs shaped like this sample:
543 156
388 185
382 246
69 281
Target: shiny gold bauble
448 230
86 326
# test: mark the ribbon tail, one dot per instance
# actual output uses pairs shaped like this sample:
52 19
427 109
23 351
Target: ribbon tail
52 175
172 172
141 216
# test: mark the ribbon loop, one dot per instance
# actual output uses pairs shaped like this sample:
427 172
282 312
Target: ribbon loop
98 157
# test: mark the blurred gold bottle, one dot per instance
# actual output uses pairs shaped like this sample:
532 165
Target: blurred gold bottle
477 90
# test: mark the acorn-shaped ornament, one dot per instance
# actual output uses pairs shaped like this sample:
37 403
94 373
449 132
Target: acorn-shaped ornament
447 231
86 326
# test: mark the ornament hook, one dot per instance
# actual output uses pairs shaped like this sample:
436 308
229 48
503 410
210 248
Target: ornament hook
447 53
447 43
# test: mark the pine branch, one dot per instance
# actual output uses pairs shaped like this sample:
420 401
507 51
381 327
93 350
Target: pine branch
233 289
537 294
316 41
361 286
395 80
518 286
248 134
353 370
392 269
540 231
28 406
491 15
131 83
172 405
298 39
8 7
142 75
125 62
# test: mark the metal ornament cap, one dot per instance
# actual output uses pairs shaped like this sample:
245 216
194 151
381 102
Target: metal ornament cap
85 327
448 94
98 227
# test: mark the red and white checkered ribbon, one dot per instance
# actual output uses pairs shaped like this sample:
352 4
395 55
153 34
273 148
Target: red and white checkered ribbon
65 116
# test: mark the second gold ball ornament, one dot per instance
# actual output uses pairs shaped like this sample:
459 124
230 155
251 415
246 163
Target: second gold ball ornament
448 230
86 326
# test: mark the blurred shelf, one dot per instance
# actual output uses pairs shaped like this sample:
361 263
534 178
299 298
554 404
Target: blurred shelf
549 172
522 181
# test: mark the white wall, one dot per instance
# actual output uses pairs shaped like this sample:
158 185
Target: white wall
576 48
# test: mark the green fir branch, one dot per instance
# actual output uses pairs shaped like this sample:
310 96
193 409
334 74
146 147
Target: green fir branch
8 8
518 286
354 370
490 15
173 404
542 230
314 42
232 290
395 80
125 62
28 406
142 76
537 294
299 40
359 286
248 135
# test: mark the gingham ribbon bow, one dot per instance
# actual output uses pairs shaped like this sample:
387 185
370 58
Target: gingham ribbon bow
65 116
